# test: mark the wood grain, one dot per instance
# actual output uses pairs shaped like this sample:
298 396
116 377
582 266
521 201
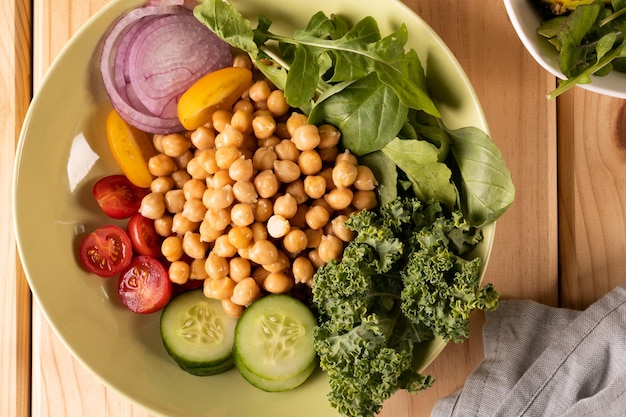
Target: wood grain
524 263
15 70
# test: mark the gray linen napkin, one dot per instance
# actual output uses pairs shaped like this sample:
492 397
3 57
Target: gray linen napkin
546 361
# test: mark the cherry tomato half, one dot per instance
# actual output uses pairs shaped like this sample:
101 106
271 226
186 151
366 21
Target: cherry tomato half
144 286
145 239
118 197
106 251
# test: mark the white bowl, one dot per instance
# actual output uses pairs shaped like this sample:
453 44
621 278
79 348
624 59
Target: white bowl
526 20
61 153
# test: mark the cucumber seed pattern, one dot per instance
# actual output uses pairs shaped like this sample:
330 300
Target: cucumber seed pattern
201 325
281 335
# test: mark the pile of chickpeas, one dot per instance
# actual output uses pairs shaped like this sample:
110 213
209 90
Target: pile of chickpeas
255 201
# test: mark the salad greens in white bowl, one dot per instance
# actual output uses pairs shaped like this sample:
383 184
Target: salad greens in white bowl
436 147
583 47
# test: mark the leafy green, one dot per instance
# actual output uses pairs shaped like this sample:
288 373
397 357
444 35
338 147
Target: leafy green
589 41
400 282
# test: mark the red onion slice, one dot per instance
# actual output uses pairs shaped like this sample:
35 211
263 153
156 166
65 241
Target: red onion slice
129 54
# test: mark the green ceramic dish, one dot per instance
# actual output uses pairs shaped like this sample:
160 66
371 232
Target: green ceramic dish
63 150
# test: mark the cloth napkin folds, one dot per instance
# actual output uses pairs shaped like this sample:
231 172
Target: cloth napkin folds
546 361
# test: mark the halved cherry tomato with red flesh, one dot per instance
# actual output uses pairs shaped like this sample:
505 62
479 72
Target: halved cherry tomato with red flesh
145 239
117 196
144 286
106 251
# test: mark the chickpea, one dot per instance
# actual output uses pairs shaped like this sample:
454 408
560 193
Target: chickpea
245 192
329 136
216 266
346 156
295 241
194 188
180 177
287 150
296 190
263 209
183 160
207 233
263 126
175 144
241 60
259 231
264 158
219 288
245 292
174 201
203 138
239 268
218 198
218 219
302 270
231 309
263 252
206 160
281 264
310 162
365 179
161 165
315 186
299 220
294 121
226 155
322 202
197 269
277 283
315 259
259 274
163 225
327 174
277 226
157 141
240 236
179 272
172 248
340 230
196 169
364 200
306 137
331 247
242 120
268 142
220 119
194 210
266 183
161 185
277 104
230 136
317 217
281 130
285 206
241 169
223 247
242 214
220 179
244 104
259 91
193 246
182 225
328 155
286 171
339 198
344 174
152 206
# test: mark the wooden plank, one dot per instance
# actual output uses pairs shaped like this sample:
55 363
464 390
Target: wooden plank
15 70
592 195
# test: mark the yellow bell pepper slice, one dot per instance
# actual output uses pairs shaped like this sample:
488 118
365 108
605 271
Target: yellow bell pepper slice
217 90
131 148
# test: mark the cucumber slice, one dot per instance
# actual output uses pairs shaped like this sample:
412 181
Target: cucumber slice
197 333
274 343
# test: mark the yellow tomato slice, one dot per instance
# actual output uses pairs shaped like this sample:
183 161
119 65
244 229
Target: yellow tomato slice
131 148
217 90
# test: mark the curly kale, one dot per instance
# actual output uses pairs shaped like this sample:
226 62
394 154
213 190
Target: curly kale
403 280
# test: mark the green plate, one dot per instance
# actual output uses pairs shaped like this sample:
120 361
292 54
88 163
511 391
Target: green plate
62 151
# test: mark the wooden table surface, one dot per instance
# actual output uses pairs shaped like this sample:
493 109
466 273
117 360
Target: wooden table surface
561 243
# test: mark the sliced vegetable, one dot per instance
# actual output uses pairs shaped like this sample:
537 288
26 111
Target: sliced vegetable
197 333
106 251
216 90
131 149
151 56
274 343
144 286
117 196
145 239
